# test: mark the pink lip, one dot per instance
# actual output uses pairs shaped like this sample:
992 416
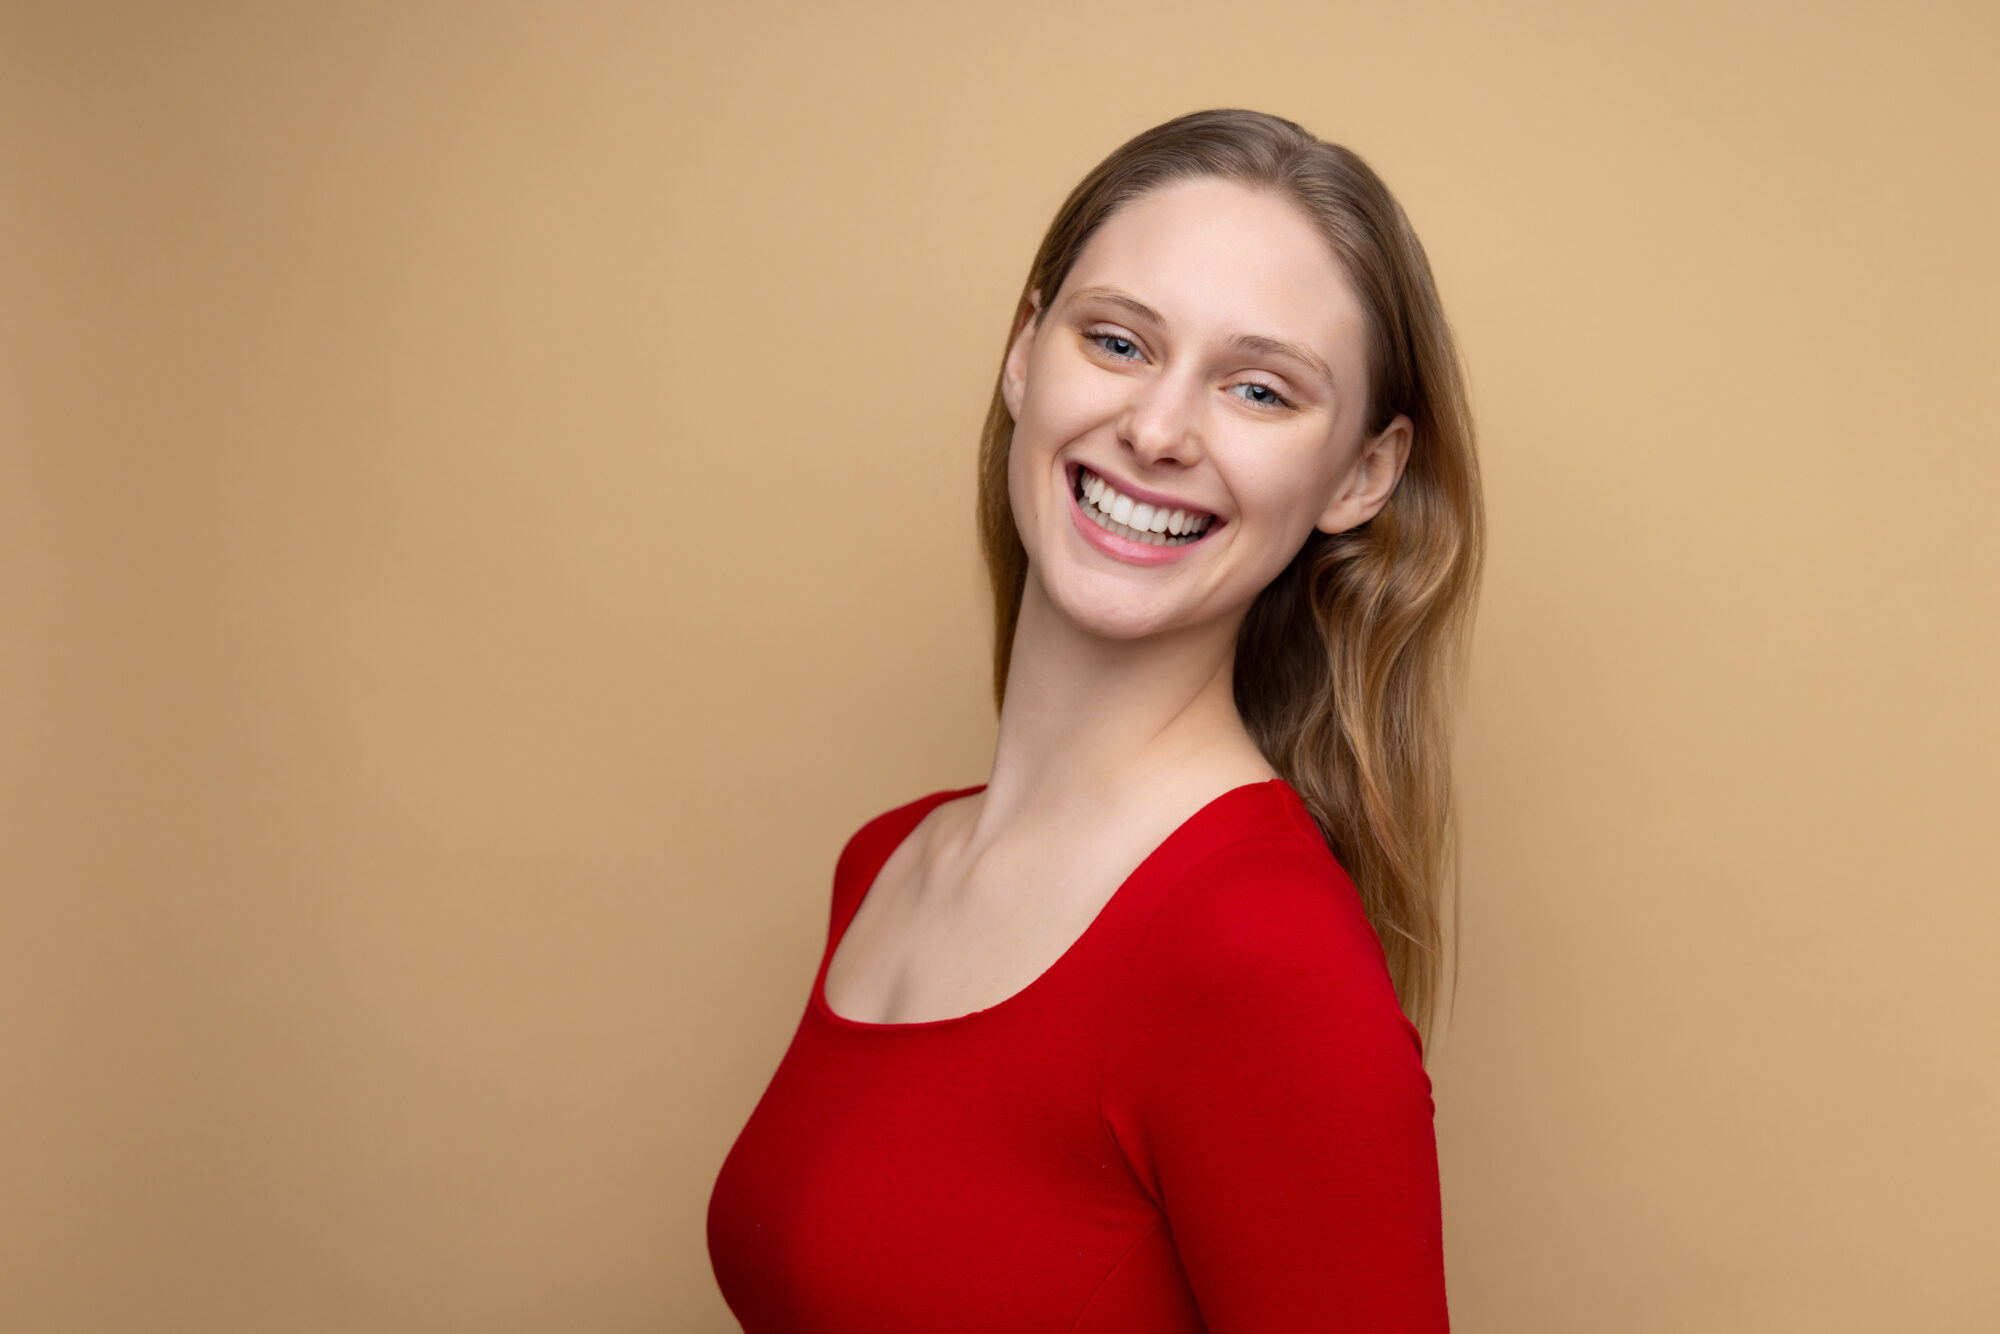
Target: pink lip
1121 548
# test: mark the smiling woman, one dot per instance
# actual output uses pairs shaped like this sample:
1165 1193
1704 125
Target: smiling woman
1129 1036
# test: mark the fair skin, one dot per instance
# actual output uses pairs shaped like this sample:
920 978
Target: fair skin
1119 721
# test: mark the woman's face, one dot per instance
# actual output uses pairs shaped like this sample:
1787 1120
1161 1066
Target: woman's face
1201 374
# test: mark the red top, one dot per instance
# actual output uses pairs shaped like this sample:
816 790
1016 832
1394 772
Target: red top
1209 1114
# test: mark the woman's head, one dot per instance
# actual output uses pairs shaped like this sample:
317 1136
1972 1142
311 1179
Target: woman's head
1352 485
1204 355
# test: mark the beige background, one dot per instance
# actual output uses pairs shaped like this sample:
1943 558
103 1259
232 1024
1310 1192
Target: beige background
485 511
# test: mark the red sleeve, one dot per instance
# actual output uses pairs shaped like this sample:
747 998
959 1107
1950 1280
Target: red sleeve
1270 1095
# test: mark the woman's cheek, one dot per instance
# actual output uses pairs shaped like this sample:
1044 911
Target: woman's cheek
1074 393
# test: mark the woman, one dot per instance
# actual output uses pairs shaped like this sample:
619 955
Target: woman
1129 1037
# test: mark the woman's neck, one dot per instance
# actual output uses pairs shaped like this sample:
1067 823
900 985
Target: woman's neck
1088 719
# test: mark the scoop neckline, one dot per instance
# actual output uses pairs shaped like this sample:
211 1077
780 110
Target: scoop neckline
1177 835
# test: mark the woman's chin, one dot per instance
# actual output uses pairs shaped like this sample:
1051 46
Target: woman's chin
1108 612
1120 627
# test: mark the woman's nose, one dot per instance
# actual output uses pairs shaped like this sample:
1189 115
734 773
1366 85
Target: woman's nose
1161 422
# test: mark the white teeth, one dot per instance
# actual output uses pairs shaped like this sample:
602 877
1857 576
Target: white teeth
1150 524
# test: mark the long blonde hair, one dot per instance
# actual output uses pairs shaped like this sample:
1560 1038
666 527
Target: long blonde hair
1348 666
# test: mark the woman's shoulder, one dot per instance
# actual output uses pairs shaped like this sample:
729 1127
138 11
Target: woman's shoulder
870 845
1259 993
1265 858
1268 908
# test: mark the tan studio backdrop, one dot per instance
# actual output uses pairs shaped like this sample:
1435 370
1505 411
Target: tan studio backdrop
486 511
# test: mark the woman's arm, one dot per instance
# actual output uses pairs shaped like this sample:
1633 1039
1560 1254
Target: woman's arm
1270 1094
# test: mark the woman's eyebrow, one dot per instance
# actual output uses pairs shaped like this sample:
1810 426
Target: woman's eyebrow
1248 342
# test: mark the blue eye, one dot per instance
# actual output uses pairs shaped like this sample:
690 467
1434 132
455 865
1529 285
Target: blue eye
1102 339
1276 399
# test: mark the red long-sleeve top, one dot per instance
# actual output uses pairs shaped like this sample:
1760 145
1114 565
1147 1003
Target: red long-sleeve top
1209 1114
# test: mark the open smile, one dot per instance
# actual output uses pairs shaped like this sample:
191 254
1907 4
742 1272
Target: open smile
1137 531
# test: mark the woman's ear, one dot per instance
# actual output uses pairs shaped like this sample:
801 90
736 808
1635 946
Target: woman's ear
1370 478
1014 370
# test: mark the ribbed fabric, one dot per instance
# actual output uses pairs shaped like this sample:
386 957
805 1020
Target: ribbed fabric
1208 1115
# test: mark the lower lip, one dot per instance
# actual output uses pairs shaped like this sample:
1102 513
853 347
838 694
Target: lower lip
1124 548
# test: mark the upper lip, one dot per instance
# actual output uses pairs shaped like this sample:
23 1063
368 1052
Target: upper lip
1142 495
